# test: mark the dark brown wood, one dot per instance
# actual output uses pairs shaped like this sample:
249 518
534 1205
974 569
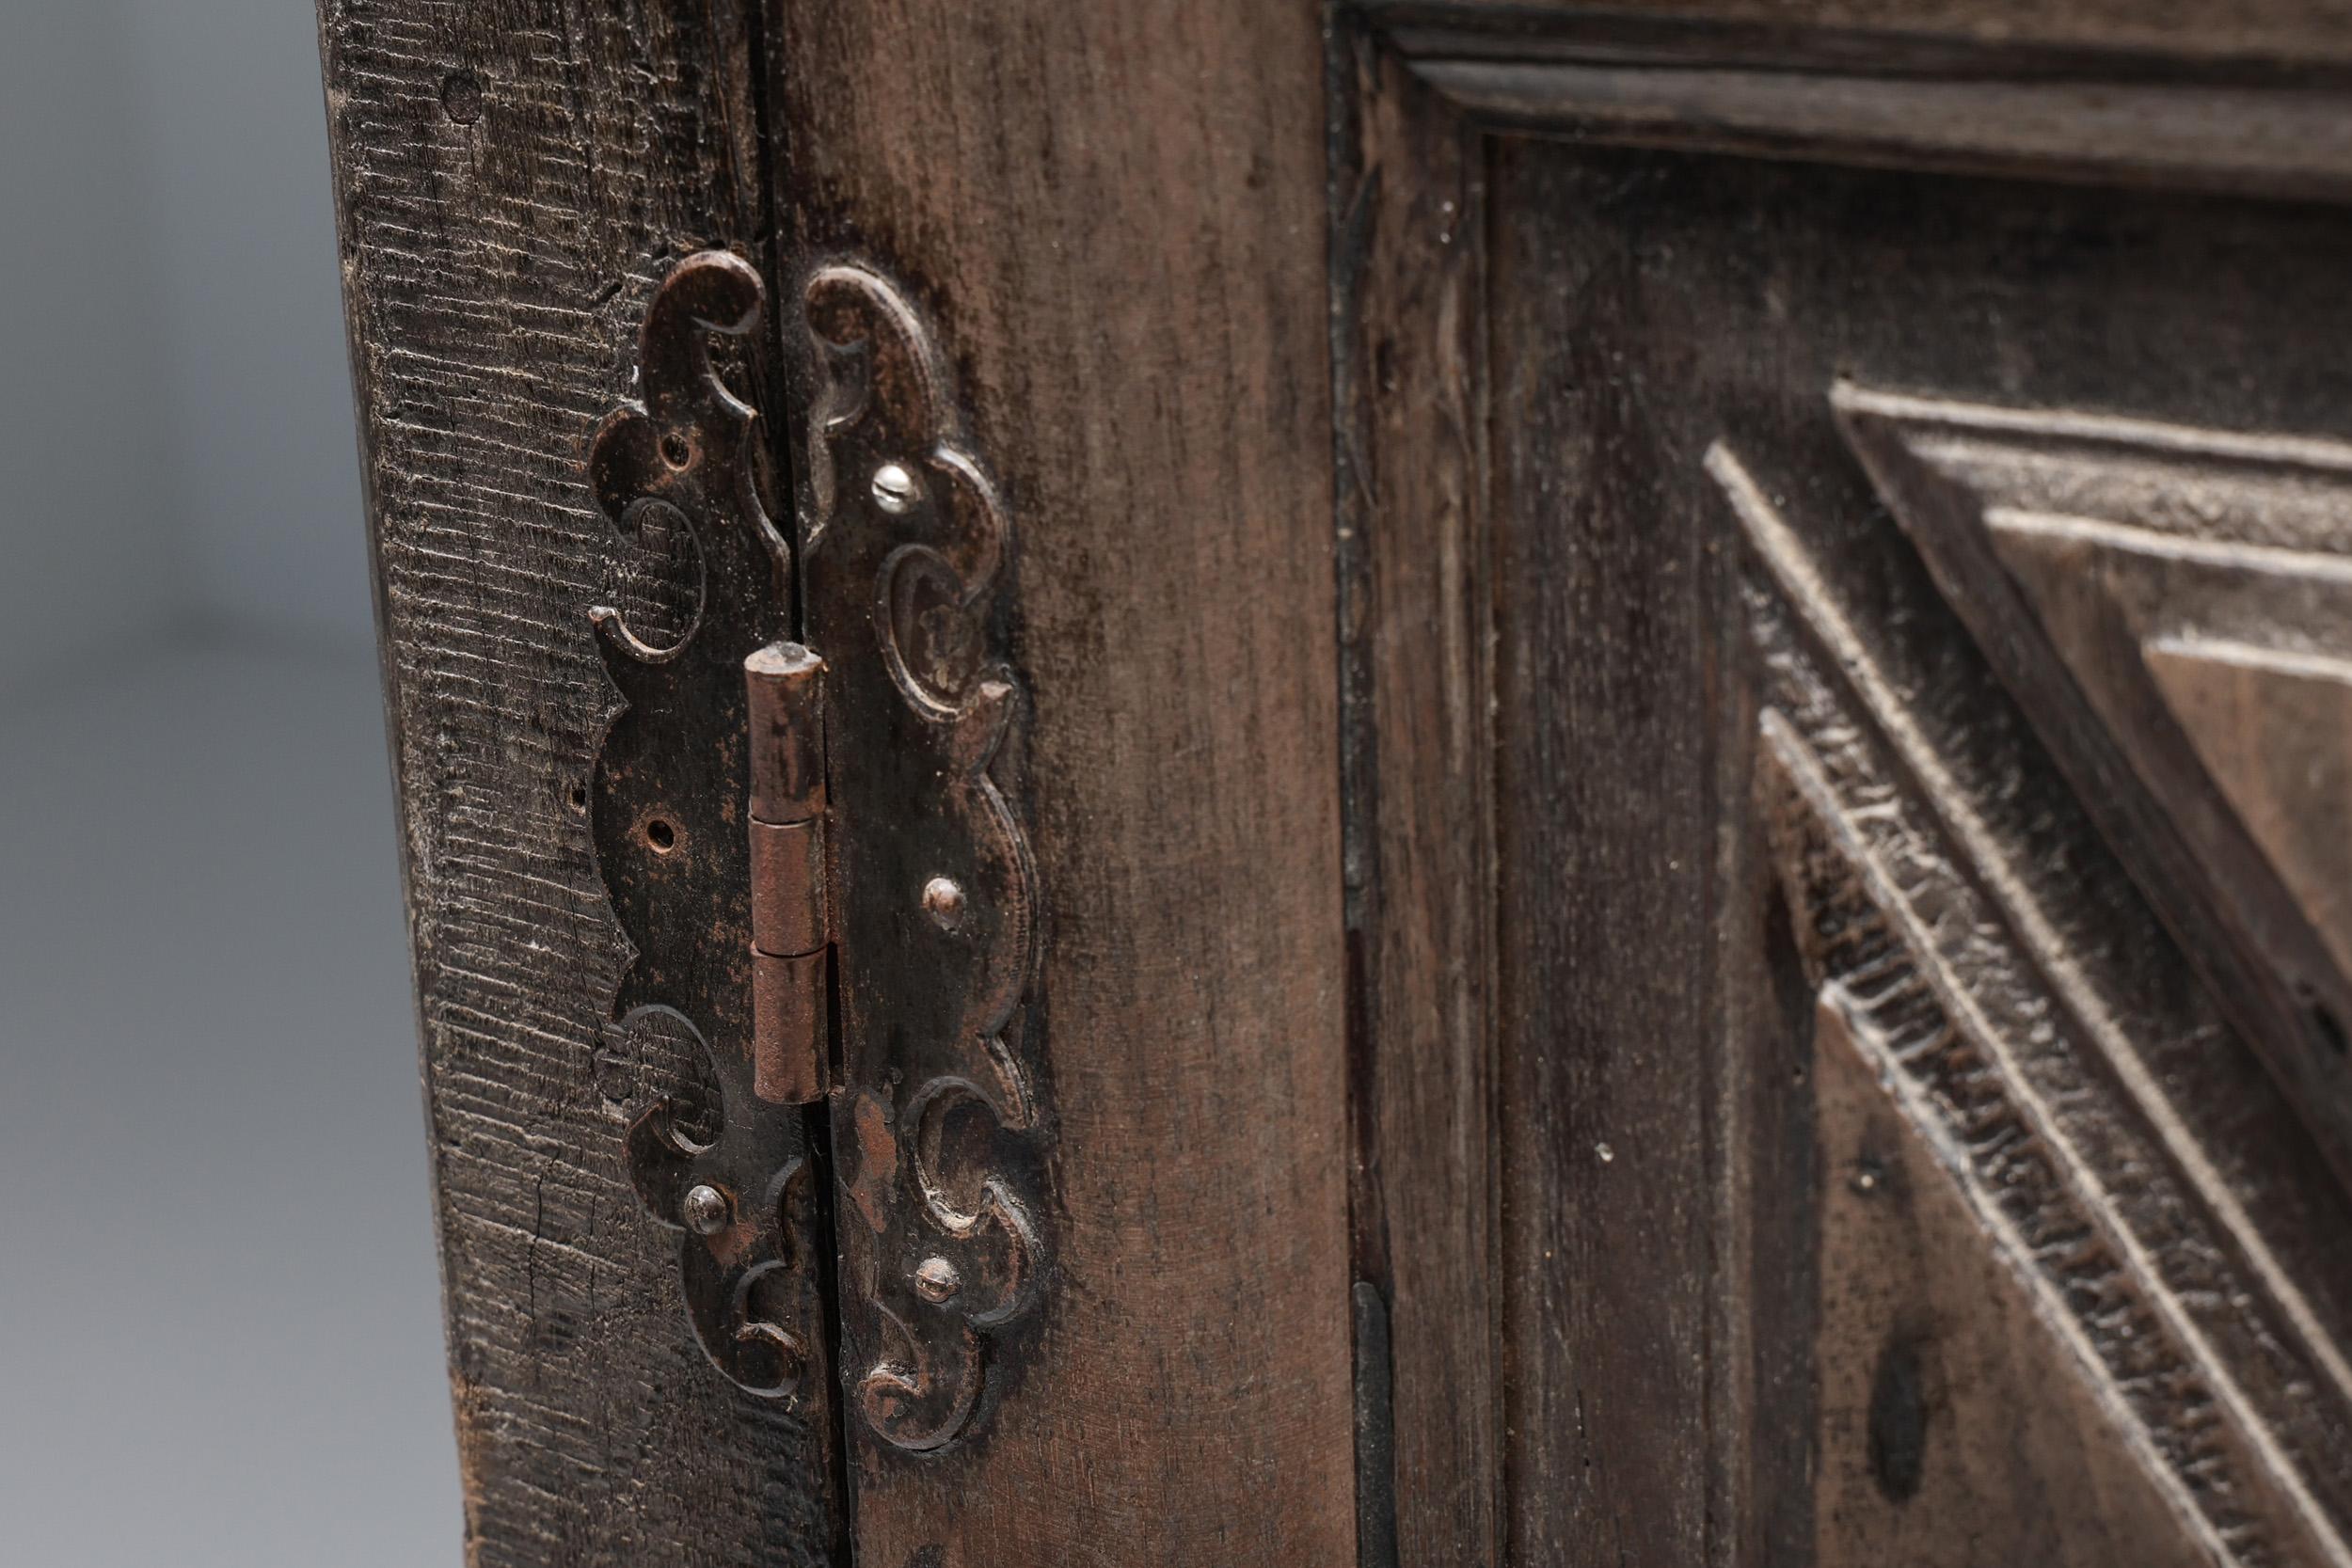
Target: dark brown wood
2273 31
1606 820
1610 791
1874 1167
1110 216
1408 246
514 185
2145 588
2184 114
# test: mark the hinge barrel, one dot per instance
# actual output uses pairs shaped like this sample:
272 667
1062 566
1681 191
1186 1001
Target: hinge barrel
784 688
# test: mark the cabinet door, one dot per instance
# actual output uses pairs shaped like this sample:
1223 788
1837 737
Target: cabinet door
1845 543
1585 773
1070 257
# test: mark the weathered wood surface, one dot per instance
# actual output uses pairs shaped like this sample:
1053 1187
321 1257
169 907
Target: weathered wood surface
1765 1079
1112 214
1884 1146
1407 251
513 179
2100 33
1606 819
1942 926
2065 91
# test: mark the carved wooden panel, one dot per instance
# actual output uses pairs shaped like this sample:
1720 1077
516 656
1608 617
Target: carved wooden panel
1937 968
1917 659
2192 583
2019 1046
1777 951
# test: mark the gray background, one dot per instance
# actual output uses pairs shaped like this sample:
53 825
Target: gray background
219 1331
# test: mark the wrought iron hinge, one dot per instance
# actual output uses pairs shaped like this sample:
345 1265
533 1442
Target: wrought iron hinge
812 846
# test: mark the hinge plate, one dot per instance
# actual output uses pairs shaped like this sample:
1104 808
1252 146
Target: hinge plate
937 1125
774 856
677 474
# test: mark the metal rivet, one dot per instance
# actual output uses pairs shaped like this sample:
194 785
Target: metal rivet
935 1279
705 1210
677 451
943 899
893 488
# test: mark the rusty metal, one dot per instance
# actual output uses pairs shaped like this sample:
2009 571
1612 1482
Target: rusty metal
783 694
784 717
788 887
705 742
938 1129
778 829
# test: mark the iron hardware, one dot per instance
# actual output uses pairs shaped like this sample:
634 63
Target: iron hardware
784 692
788 828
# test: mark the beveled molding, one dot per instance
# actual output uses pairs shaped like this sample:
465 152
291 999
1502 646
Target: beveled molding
1887 97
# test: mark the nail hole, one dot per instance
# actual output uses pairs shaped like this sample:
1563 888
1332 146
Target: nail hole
676 450
461 97
2330 1030
577 796
660 834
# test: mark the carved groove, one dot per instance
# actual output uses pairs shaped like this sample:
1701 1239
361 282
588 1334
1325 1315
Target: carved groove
904 547
2171 606
2216 1371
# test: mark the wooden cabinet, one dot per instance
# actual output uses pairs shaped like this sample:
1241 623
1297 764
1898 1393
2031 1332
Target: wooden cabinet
1584 773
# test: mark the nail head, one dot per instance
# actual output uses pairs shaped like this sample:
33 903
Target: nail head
705 1210
936 1279
943 900
893 488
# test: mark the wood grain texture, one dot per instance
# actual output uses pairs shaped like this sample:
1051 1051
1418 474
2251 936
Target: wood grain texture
1951 1426
2112 104
513 179
1112 216
1717 1345
2278 31
2078 551
2223 1380
1407 232
1606 823
2270 728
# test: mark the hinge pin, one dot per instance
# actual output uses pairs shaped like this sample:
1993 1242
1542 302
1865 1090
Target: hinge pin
784 687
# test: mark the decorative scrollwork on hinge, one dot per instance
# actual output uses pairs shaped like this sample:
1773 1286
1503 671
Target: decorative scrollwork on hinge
678 475
937 1127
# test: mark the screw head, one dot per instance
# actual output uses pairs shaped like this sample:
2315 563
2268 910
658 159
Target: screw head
705 1210
943 900
894 490
936 1279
